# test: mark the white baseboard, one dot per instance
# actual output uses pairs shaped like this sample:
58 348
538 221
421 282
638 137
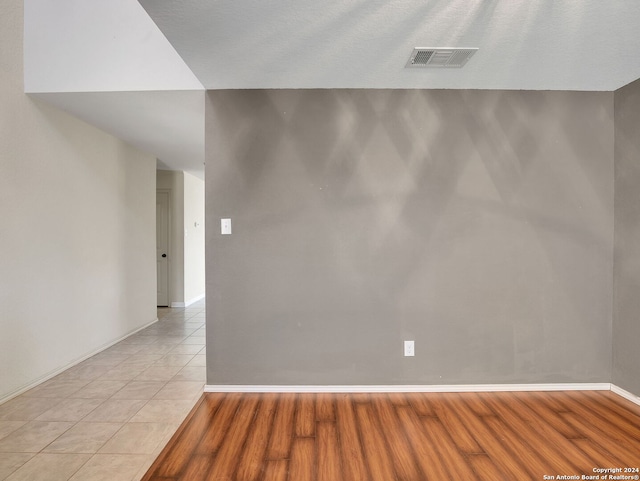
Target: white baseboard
625 394
189 302
75 362
408 388
195 299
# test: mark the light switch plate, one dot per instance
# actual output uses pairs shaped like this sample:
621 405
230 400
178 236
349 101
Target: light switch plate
225 226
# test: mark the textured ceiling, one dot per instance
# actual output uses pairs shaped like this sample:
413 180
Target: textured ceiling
524 44
111 65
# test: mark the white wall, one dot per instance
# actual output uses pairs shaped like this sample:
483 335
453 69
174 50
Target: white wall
77 237
194 266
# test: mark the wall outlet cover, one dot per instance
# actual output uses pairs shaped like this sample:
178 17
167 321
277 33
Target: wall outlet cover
409 348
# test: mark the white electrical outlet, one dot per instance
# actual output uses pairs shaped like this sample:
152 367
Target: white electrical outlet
409 348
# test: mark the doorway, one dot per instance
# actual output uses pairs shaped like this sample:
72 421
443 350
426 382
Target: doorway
162 246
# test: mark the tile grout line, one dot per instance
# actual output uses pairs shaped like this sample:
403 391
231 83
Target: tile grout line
166 332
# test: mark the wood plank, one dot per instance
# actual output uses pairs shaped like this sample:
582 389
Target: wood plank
405 464
551 443
550 417
329 462
502 456
324 407
427 458
373 442
188 440
485 469
419 402
302 465
528 428
518 451
276 470
198 467
252 460
455 464
219 425
398 398
306 416
613 398
360 397
476 401
444 408
597 431
622 429
229 453
598 455
552 400
613 413
282 432
374 437
350 444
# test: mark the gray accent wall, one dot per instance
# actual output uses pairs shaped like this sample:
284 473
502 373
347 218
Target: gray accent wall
477 223
626 328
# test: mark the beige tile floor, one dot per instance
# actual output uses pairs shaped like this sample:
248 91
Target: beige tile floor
108 417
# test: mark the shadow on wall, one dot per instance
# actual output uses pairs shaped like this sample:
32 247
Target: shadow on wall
364 217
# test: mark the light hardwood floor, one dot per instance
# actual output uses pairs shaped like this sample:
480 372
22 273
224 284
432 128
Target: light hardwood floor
386 437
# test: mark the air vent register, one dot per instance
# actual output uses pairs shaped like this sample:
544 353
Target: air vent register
440 57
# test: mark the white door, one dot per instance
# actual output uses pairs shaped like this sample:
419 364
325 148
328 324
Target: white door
162 246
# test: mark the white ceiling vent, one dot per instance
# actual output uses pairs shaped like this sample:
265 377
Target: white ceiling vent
440 57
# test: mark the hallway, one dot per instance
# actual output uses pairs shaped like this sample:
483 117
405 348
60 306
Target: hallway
108 417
